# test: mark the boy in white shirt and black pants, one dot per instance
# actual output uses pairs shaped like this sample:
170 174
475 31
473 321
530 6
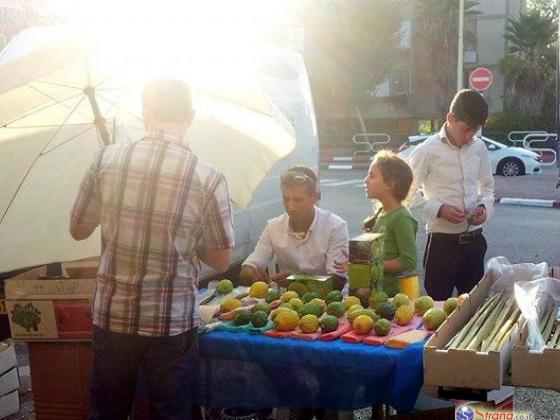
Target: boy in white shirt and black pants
453 169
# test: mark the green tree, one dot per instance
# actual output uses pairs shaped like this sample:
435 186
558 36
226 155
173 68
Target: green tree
350 48
547 8
529 66
436 37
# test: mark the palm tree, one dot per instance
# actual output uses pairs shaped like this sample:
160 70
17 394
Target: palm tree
529 67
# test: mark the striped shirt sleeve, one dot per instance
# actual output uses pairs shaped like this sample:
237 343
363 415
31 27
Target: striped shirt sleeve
86 211
217 222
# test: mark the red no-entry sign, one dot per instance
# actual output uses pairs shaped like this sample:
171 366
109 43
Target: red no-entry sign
480 78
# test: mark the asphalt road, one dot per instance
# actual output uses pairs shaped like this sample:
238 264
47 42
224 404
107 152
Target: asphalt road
521 234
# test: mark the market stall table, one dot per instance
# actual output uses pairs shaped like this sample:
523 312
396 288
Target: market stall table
254 371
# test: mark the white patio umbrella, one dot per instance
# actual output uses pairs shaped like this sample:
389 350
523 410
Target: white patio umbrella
53 101
53 104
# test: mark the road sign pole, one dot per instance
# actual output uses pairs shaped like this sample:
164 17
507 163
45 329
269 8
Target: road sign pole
557 119
460 51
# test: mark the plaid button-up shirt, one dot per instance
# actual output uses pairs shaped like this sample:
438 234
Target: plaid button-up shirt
156 204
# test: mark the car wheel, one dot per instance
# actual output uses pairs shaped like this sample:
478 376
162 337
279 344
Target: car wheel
511 167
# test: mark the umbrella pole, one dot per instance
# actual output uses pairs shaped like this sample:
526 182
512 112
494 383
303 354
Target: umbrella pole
99 121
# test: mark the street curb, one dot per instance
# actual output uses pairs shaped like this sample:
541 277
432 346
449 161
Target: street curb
347 163
528 202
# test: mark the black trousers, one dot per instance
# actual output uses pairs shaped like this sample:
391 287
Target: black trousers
453 261
170 363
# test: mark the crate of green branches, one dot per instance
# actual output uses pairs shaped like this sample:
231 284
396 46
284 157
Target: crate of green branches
475 341
539 368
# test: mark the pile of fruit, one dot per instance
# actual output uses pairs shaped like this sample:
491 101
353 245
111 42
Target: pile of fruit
401 310
308 312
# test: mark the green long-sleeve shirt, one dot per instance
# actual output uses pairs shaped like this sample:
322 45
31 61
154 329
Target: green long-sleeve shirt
399 228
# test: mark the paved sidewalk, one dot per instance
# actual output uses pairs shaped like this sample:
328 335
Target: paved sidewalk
541 186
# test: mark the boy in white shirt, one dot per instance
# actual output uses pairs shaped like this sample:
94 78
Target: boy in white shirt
453 169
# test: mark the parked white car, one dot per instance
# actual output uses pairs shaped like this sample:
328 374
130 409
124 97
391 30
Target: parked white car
505 160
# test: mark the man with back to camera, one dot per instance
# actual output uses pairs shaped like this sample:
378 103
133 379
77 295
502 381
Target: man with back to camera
161 212
453 169
305 238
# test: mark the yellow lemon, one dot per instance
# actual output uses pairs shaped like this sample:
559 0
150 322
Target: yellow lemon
295 303
224 287
320 302
277 311
230 304
289 295
404 314
363 324
356 307
258 289
351 301
309 324
286 320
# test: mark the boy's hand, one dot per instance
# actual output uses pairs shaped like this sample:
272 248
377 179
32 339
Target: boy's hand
478 216
280 278
452 214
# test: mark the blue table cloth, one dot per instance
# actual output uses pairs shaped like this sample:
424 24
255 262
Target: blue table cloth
255 371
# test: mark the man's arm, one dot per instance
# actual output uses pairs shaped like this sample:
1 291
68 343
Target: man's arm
216 258
86 212
217 234
81 232
249 275
254 267
337 252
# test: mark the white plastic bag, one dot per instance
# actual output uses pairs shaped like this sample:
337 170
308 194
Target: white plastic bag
533 298
504 274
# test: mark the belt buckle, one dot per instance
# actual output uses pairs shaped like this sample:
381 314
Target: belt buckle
465 238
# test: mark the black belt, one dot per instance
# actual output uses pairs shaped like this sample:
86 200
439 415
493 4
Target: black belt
462 238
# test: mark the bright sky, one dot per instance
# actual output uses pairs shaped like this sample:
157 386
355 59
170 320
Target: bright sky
178 29
246 16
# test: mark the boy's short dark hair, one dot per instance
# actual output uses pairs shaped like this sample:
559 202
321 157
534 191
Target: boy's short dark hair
169 100
470 107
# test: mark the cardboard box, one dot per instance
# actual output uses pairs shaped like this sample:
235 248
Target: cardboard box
8 358
531 368
534 369
82 269
9 404
465 368
9 381
49 309
366 248
319 284
365 267
359 284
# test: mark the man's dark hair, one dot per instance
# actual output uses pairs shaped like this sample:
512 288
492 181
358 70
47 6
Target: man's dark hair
470 107
168 100
301 175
